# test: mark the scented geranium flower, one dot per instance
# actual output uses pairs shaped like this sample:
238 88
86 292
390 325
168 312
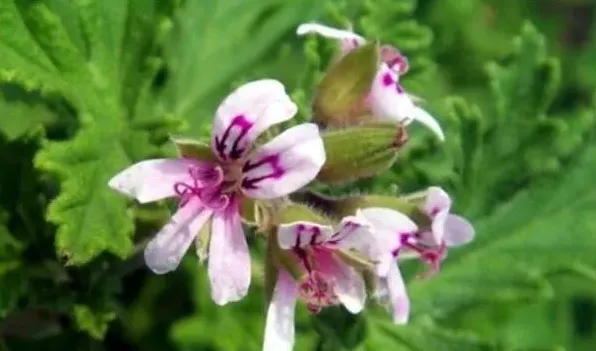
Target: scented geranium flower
445 230
327 280
387 99
389 228
210 189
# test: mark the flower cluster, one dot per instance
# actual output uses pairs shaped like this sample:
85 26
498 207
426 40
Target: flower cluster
249 172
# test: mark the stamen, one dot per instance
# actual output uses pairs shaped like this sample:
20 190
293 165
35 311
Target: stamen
204 185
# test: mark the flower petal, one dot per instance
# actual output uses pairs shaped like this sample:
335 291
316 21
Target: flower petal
279 327
246 113
151 180
229 260
285 164
388 228
389 101
165 251
348 283
354 233
398 298
349 39
302 234
420 115
387 98
437 206
458 231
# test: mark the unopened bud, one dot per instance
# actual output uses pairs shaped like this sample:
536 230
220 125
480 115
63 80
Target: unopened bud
341 94
360 152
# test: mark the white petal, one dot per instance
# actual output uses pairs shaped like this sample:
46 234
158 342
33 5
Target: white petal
246 113
354 233
458 231
302 234
165 251
388 101
329 32
279 327
349 285
285 164
437 206
151 180
398 298
388 227
229 260
420 115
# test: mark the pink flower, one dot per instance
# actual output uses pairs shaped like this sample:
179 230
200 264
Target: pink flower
212 190
387 99
388 227
446 230
328 280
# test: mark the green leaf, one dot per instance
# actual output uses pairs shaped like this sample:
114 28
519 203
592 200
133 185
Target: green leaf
543 230
93 322
18 117
339 329
98 56
214 42
518 133
418 337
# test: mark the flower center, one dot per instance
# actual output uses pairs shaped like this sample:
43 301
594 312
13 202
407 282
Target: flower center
205 184
317 292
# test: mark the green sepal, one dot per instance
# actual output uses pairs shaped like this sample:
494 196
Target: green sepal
359 152
355 260
345 85
271 266
198 150
249 211
284 258
295 212
202 242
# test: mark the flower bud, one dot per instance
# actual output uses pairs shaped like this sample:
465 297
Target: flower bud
342 92
360 152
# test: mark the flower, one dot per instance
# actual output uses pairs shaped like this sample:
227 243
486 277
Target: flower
327 280
213 189
387 99
388 228
446 230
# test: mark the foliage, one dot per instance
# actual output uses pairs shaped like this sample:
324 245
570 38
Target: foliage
90 87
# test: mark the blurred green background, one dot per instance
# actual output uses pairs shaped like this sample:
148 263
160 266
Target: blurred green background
89 87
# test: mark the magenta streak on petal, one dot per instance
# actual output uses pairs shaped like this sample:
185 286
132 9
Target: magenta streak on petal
276 170
388 80
400 89
430 256
349 227
401 62
434 211
221 143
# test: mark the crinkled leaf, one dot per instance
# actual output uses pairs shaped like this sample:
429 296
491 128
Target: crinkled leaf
543 230
213 42
97 55
516 134
94 322
418 337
